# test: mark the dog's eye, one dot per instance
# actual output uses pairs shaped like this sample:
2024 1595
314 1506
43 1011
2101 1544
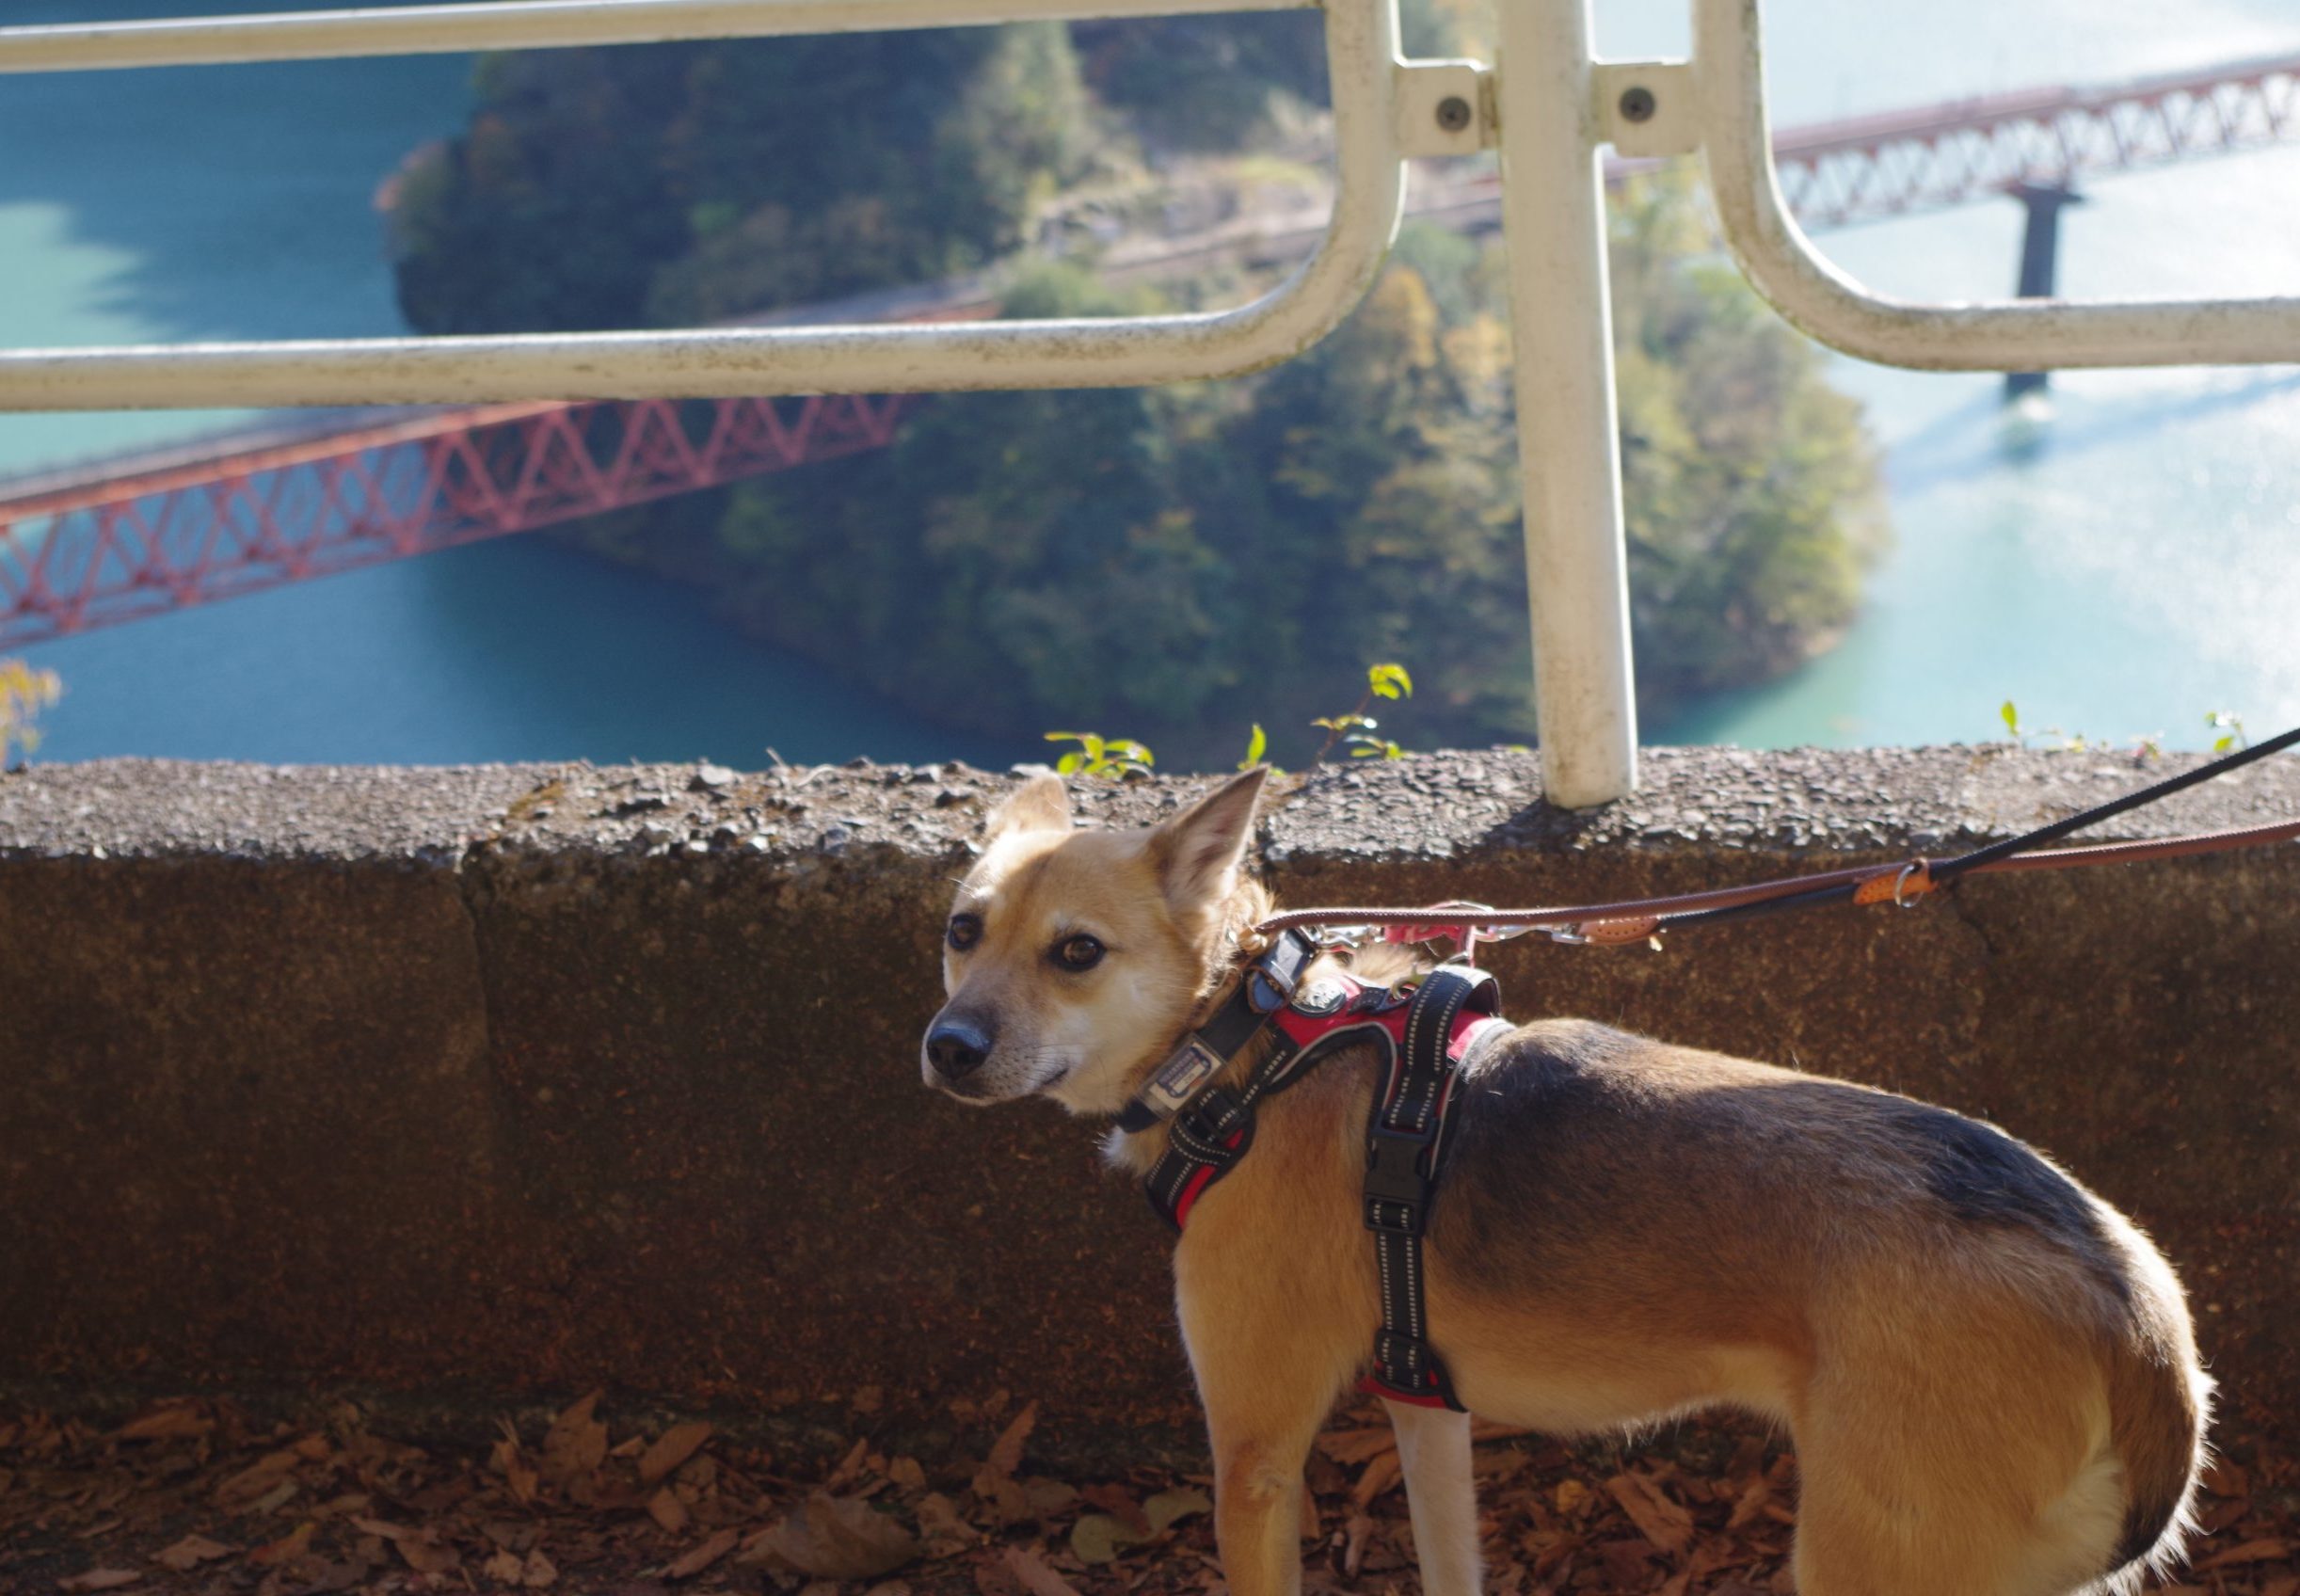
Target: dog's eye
964 930
1080 952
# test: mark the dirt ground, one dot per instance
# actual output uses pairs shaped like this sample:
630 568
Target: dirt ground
193 1498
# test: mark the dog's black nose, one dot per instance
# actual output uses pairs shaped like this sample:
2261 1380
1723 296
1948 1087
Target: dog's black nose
956 1049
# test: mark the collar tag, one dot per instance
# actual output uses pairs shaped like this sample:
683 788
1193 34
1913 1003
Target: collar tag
1179 1079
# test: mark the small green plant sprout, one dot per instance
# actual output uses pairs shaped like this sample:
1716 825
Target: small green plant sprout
1112 759
2069 742
1356 730
23 693
2012 717
1257 745
2232 728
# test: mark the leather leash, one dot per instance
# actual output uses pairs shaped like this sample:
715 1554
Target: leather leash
1640 920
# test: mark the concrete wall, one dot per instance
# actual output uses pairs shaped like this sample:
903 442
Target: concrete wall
502 1082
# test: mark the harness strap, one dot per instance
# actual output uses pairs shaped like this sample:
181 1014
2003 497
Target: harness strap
1405 1143
1266 986
1422 1043
1213 1126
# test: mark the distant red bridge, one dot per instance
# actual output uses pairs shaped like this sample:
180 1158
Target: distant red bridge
123 538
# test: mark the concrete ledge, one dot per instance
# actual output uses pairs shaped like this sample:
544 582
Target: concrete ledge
490 1083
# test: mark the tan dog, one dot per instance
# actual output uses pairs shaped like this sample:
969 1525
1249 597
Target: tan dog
1988 1373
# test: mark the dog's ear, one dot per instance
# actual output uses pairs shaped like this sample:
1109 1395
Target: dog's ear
1199 851
1040 804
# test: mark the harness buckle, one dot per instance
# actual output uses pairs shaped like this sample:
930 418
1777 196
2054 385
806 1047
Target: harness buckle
1397 1189
1272 978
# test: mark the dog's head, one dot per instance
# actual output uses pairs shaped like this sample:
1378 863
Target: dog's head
1072 959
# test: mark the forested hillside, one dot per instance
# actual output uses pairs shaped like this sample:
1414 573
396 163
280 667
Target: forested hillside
1169 564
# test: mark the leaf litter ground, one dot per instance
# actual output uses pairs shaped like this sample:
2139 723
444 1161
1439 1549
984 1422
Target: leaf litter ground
192 1497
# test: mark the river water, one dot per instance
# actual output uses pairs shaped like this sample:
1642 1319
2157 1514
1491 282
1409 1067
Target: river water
2117 568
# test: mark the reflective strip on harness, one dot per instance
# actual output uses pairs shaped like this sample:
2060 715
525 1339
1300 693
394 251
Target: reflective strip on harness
1404 1146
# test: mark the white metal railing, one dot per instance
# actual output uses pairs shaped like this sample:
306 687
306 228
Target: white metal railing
1547 102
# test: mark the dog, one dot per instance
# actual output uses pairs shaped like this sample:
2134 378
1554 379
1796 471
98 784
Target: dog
1990 1374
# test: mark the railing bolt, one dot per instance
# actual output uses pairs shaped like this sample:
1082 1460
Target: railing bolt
1453 113
1637 103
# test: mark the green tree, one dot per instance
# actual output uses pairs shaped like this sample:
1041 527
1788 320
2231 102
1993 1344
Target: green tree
679 183
1180 561
1175 561
1216 82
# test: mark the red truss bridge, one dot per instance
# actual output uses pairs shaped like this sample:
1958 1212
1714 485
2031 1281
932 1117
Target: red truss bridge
1900 162
251 518
125 539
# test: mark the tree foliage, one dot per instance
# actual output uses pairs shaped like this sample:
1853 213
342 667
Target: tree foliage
1186 560
677 183
1182 561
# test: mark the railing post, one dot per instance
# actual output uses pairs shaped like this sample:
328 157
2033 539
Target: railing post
1553 208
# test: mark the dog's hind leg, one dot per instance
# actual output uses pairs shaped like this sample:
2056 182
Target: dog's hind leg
1441 1495
1958 1451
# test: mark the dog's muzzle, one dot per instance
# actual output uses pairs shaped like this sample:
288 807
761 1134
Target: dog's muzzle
956 1048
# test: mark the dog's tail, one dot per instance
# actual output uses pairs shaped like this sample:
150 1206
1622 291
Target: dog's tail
2159 1402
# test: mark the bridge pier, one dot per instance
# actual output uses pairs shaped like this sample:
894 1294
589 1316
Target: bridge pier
2039 262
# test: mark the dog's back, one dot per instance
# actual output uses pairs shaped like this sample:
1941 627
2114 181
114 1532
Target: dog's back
1937 1309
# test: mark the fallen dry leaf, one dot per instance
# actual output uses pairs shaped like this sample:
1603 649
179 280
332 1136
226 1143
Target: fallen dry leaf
1096 1539
2261 1551
190 1552
99 1579
575 1445
1005 1453
420 1547
1117 1501
511 1462
1379 1475
1753 1502
1032 1572
1353 1446
1169 1507
710 1552
286 1549
666 1509
1658 1518
947 1533
242 1490
174 1421
672 1448
834 1538
2225 1477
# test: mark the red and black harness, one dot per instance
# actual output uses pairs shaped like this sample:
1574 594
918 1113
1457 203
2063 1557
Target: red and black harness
1423 1033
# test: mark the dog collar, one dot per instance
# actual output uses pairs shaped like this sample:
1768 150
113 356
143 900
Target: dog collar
1271 981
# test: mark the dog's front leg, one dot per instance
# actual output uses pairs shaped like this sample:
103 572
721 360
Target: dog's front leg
1265 1399
1260 1445
1441 1497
